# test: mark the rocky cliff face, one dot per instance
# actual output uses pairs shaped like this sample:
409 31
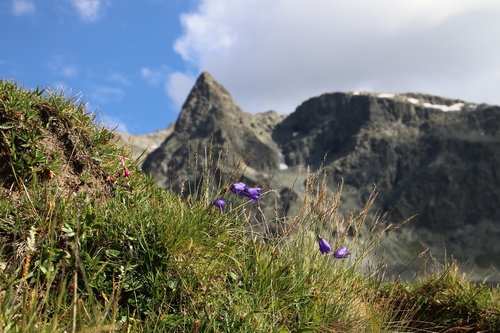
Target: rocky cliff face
432 157
435 158
423 160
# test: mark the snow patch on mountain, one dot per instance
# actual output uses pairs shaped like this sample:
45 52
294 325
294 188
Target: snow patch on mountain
445 108
282 165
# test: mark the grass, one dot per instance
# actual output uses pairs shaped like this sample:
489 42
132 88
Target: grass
85 249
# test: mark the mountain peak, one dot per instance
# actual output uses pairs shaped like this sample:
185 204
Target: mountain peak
206 86
207 104
205 77
211 115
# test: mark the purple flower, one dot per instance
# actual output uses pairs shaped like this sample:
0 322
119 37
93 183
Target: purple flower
341 253
220 203
324 246
122 160
252 193
238 188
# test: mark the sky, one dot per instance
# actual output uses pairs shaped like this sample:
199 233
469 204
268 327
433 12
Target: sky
134 61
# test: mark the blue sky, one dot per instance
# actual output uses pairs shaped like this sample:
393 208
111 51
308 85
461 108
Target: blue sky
135 61
115 54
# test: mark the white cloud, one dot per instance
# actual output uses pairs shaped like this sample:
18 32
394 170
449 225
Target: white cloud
275 54
69 70
89 10
119 78
106 94
23 7
59 65
154 76
178 86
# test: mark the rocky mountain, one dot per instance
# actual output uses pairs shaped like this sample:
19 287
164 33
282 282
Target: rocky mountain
210 115
432 157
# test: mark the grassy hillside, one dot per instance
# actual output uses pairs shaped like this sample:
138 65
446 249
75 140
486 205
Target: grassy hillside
90 244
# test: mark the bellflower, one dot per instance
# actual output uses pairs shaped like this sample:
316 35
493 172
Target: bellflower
252 193
341 253
220 203
324 246
238 188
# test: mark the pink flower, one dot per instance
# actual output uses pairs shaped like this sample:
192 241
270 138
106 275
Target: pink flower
126 172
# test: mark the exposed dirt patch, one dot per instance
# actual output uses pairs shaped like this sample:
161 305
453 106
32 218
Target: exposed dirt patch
77 172
54 143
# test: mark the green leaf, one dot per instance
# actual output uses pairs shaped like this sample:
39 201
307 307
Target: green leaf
67 230
110 253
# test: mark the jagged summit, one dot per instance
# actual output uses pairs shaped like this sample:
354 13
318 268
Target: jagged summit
205 80
210 113
206 88
207 106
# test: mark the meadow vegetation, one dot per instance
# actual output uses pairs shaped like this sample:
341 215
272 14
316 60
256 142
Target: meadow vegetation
90 244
